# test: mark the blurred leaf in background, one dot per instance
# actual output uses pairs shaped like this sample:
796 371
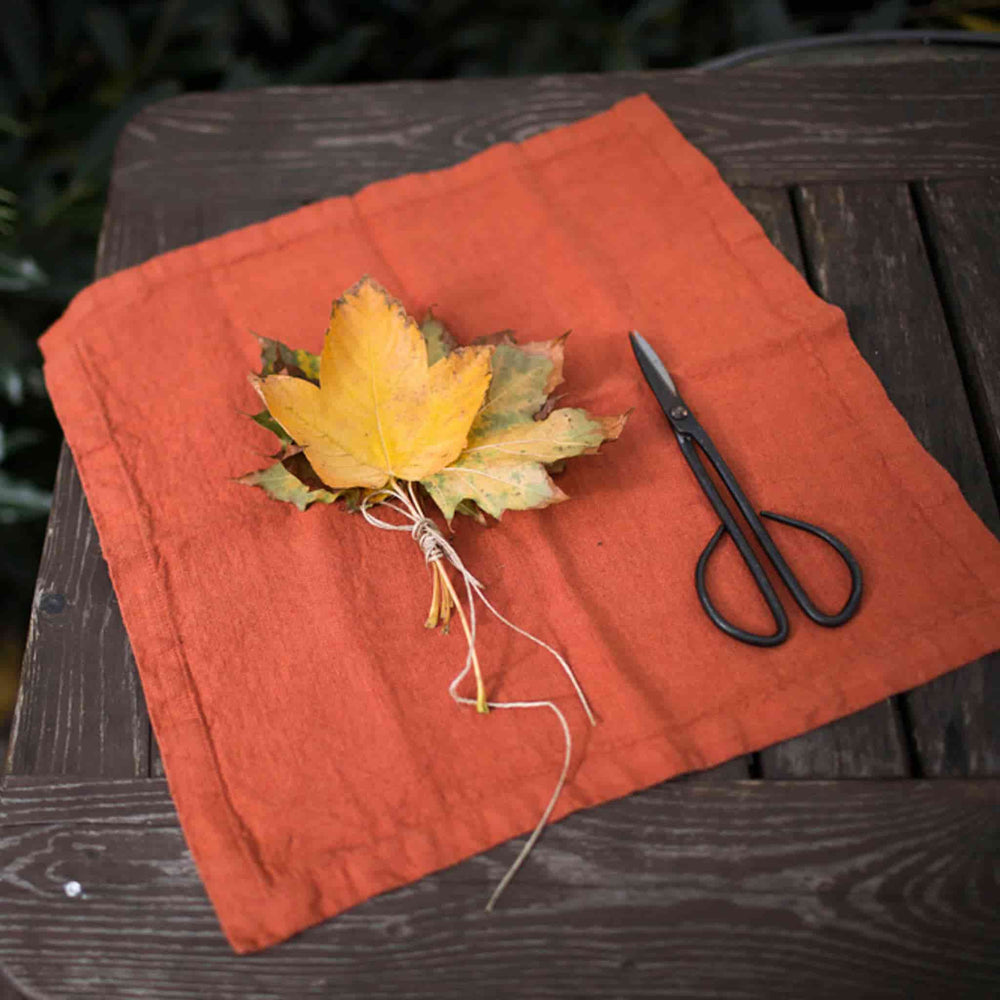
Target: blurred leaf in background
73 72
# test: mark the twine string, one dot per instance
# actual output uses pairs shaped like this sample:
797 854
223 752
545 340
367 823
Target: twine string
435 548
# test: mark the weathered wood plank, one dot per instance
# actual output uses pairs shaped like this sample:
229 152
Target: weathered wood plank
866 744
737 769
80 708
772 208
137 228
34 800
760 126
955 729
82 711
961 221
7 989
864 252
880 889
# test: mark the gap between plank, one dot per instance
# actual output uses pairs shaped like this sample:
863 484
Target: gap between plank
898 703
971 380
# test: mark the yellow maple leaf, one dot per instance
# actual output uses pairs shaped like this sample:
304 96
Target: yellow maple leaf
380 412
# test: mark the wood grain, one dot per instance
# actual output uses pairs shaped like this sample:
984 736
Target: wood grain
865 253
80 708
760 126
743 890
961 220
772 208
7 989
865 744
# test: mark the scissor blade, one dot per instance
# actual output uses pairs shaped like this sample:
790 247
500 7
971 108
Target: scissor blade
655 374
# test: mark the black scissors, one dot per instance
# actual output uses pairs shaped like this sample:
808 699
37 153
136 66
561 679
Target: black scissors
690 433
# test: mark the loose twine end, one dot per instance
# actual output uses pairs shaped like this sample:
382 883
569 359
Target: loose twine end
437 552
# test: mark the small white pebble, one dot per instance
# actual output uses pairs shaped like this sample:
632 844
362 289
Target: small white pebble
73 889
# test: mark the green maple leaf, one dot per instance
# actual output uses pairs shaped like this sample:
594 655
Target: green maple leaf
280 483
523 378
269 423
277 358
437 337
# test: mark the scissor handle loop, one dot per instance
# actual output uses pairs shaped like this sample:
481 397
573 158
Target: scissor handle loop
780 633
767 591
798 591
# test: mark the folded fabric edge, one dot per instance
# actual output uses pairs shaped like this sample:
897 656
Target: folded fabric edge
171 696
271 233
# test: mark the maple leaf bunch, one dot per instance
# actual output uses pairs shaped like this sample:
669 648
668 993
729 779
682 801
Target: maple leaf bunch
390 405
391 412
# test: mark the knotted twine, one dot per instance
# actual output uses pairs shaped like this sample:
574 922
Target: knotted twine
435 548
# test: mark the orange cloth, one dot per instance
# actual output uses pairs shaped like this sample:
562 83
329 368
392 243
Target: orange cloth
301 708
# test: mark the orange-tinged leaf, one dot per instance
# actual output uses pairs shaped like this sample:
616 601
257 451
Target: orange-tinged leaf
389 401
554 351
456 387
379 411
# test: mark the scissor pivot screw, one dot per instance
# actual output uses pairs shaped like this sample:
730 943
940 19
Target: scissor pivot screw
678 412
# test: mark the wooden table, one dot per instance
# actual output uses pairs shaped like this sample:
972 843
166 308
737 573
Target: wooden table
859 859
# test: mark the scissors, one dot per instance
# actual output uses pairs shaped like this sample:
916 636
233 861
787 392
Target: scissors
690 433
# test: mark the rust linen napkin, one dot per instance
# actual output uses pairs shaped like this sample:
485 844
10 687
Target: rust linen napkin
302 710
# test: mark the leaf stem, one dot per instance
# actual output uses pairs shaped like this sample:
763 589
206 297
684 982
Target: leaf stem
481 705
445 600
435 610
447 595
